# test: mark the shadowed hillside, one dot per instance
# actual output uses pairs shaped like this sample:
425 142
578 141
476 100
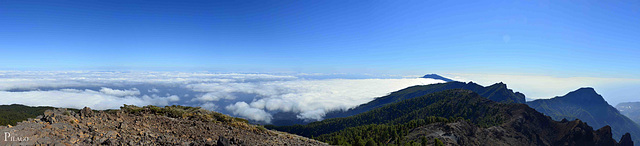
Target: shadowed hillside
587 105
631 110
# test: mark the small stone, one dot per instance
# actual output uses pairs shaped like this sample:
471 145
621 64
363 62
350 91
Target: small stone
112 134
122 125
104 141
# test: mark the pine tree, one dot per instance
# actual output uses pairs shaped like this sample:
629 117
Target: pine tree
357 141
438 142
370 142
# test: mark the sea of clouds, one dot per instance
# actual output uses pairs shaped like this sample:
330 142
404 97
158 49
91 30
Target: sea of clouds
253 96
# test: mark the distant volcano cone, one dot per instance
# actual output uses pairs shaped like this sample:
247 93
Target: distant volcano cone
437 77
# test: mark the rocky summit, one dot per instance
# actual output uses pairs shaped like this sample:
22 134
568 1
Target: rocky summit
149 125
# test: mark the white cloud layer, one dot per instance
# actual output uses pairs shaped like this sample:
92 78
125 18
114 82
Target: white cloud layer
311 98
73 98
243 109
28 80
120 93
252 96
258 96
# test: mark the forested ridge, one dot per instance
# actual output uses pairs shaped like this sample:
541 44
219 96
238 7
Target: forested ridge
496 92
387 124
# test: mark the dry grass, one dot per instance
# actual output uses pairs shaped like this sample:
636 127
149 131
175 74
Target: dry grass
191 113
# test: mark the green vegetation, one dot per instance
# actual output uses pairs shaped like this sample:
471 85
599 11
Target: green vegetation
438 142
12 114
378 133
389 124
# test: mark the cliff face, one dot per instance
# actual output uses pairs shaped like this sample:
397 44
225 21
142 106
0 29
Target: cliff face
143 126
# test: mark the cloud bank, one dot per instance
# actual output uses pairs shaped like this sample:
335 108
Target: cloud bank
253 96
74 98
258 97
120 93
311 98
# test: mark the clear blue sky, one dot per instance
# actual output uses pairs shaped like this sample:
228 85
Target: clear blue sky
560 38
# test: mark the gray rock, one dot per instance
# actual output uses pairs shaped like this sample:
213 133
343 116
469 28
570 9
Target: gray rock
223 141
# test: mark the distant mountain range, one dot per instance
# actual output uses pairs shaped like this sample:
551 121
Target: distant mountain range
584 104
587 105
496 92
452 117
437 77
631 110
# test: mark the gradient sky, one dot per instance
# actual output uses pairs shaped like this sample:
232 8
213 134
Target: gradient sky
557 38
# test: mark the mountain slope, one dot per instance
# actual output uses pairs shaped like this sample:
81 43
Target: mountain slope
149 125
631 110
587 105
12 114
496 92
486 123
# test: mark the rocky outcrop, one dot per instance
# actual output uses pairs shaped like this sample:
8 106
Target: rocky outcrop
86 112
466 133
626 140
118 127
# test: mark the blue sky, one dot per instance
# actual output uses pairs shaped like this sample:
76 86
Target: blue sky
555 38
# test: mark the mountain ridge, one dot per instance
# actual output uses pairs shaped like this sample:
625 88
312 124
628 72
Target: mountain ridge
496 92
589 106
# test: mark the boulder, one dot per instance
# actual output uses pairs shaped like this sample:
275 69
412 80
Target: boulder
223 141
86 112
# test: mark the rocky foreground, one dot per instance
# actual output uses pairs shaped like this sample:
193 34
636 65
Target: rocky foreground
149 125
